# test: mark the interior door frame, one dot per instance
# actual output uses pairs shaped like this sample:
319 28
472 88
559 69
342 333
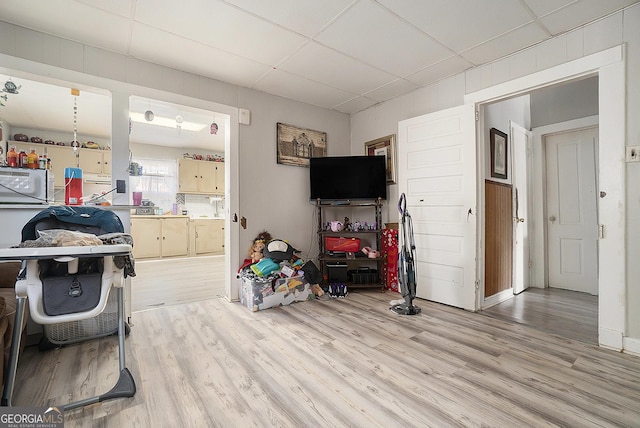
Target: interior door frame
609 66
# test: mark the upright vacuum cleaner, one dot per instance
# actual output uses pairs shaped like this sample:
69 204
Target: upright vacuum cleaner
406 263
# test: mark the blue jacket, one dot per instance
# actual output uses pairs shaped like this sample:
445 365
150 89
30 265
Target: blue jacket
80 218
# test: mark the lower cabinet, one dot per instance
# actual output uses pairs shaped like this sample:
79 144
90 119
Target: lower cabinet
160 237
207 237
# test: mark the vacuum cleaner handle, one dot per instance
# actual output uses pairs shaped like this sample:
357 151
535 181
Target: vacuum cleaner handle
402 204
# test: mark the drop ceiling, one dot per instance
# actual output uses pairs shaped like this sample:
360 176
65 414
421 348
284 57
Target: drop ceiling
345 55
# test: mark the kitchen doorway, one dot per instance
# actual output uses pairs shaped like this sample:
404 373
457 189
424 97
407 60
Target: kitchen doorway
163 137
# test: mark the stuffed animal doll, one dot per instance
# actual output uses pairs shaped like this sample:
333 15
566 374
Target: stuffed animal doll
257 247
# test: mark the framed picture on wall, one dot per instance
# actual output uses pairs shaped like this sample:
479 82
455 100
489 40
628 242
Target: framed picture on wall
296 145
385 146
498 153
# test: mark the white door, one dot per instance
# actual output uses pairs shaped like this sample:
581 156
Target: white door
437 173
520 148
572 218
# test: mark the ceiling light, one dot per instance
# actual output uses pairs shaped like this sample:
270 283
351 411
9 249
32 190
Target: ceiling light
167 122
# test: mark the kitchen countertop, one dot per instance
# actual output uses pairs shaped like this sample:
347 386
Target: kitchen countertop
173 216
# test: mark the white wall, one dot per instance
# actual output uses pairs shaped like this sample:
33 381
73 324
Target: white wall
614 30
498 115
276 197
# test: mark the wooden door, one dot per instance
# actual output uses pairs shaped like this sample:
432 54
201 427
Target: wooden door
498 261
437 173
572 216
520 148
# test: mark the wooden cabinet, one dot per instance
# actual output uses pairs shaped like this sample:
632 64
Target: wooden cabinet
200 177
61 158
207 237
155 237
146 234
93 161
219 188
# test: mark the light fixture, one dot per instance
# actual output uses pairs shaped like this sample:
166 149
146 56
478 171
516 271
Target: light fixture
167 122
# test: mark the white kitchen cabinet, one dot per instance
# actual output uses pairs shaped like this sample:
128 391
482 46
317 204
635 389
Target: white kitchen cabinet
200 177
61 157
156 237
207 237
94 161
91 161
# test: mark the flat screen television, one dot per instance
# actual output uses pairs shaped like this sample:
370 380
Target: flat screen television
348 177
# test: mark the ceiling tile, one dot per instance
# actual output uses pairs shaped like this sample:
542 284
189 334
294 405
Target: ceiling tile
306 17
581 12
294 87
391 90
371 34
543 7
222 26
69 19
439 71
320 63
505 44
119 7
355 105
474 22
155 46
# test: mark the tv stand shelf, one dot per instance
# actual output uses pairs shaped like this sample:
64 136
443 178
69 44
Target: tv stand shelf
349 261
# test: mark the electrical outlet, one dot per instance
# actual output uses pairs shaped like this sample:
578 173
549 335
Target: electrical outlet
121 187
633 154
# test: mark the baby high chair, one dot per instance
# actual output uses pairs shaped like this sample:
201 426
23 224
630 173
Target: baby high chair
71 283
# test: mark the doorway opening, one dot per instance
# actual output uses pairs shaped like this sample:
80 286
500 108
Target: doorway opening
559 255
177 164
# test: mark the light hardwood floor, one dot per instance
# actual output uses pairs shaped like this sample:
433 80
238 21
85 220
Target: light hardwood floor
176 280
337 363
562 312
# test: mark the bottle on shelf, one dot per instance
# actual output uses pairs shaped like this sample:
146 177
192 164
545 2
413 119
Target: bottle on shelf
32 159
23 159
12 157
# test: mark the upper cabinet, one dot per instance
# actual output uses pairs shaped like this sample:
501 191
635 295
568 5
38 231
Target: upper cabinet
93 161
200 177
61 158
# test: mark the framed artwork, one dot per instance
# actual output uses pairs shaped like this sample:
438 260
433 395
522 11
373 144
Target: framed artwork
385 146
296 145
498 153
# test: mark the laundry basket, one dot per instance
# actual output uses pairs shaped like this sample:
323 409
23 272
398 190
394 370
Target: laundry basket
104 324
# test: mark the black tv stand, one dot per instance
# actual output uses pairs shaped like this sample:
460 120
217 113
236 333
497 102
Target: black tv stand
325 257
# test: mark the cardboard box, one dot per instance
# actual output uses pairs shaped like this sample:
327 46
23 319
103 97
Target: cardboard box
259 295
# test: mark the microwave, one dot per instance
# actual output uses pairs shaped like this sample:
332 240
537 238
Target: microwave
26 186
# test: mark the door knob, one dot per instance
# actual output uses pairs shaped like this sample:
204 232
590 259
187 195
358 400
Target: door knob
552 218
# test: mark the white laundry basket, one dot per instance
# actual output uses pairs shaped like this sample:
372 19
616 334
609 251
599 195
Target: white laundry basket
104 324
